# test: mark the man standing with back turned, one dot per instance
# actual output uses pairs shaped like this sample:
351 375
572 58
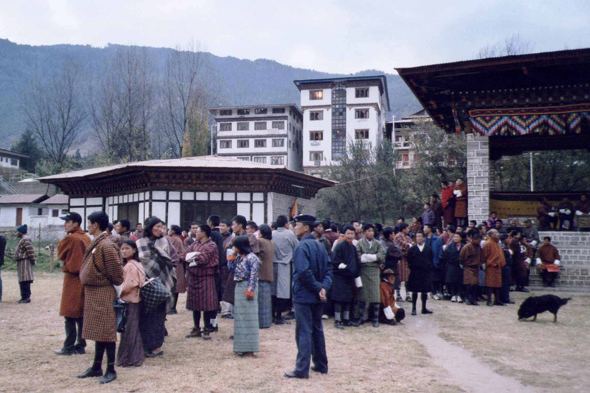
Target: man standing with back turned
312 278
70 251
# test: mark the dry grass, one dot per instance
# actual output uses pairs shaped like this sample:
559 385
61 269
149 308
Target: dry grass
367 359
540 354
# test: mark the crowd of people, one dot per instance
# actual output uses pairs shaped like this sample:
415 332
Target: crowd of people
259 275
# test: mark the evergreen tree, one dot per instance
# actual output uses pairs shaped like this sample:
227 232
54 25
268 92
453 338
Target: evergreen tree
27 144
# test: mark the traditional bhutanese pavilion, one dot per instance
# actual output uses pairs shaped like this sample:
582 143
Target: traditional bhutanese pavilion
185 190
507 106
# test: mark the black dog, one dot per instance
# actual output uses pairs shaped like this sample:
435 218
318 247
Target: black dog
538 304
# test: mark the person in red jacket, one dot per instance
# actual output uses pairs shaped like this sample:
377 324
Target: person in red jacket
447 199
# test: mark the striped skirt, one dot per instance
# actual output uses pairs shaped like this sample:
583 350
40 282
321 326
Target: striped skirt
371 290
404 270
264 304
246 337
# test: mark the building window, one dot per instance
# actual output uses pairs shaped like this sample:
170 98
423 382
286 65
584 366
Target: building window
279 125
54 213
278 160
225 126
338 115
361 134
289 144
316 155
316 94
362 93
243 112
361 114
259 142
13 162
243 158
278 143
225 144
405 159
316 115
245 126
278 110
40 212
225 112
260 160
260 111
316 135
260 125
242 143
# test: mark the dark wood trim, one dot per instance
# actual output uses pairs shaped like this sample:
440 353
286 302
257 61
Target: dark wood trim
245 119
221 138
284 153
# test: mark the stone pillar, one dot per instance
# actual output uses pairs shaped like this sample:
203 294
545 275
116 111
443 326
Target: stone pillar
478 178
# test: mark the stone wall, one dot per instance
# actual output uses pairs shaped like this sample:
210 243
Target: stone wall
281 205
478 178
574 249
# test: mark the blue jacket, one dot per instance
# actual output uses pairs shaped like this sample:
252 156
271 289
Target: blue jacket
436 246
311 270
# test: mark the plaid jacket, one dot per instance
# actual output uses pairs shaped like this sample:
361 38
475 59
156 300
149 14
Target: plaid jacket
25 250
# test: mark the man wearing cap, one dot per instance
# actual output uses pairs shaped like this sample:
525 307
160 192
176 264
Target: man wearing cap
312 278
70 251
25 259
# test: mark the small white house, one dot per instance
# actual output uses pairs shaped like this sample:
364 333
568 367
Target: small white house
10 159
57 206
20 209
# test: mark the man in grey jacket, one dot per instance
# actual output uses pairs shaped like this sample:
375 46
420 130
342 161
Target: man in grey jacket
284 241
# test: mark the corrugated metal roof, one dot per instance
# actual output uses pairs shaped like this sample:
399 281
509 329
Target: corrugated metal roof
59 199
210 162
22 199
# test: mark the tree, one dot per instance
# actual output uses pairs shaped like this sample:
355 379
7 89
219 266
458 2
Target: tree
123 104
511 46
56 112
27 144
185 95
438 156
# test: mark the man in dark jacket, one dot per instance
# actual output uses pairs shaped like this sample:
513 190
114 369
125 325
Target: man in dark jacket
420 263
312 278
213 222
393 255
2 249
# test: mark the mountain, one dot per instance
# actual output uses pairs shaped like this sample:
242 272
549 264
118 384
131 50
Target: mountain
238 82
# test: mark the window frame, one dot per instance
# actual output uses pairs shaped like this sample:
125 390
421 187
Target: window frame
361 89
243 112
362 132
279 123
314 96
226 112
320 133
241 124
357 112
262 142
227 125
241 142
260 111
280 158
227 142
282 144
321 157
258 123
320 117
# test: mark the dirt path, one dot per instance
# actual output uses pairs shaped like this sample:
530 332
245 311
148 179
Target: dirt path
464 369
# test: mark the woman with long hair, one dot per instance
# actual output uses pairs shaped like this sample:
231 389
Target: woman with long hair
131 348
247 264
158 257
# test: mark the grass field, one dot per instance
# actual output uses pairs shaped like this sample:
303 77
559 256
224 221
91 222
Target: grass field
366 359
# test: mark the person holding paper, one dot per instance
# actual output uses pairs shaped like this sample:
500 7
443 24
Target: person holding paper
203 266
460 193
548 262
371 255
345 268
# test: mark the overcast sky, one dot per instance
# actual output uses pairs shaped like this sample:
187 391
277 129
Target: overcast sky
333 36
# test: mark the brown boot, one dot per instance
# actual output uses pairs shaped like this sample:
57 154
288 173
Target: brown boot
196 332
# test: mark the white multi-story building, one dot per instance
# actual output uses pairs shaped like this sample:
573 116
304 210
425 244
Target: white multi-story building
10 159
267 134
338 111
403 134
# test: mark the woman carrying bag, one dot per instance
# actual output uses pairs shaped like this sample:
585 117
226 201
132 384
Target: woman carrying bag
158 257
131 348
101 269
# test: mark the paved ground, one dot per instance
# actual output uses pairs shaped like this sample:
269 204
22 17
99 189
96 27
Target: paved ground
459 348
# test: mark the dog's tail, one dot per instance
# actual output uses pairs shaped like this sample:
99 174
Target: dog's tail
565 300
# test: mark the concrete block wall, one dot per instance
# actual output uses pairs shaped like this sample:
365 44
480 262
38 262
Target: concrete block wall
574 249
282 204
478 177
